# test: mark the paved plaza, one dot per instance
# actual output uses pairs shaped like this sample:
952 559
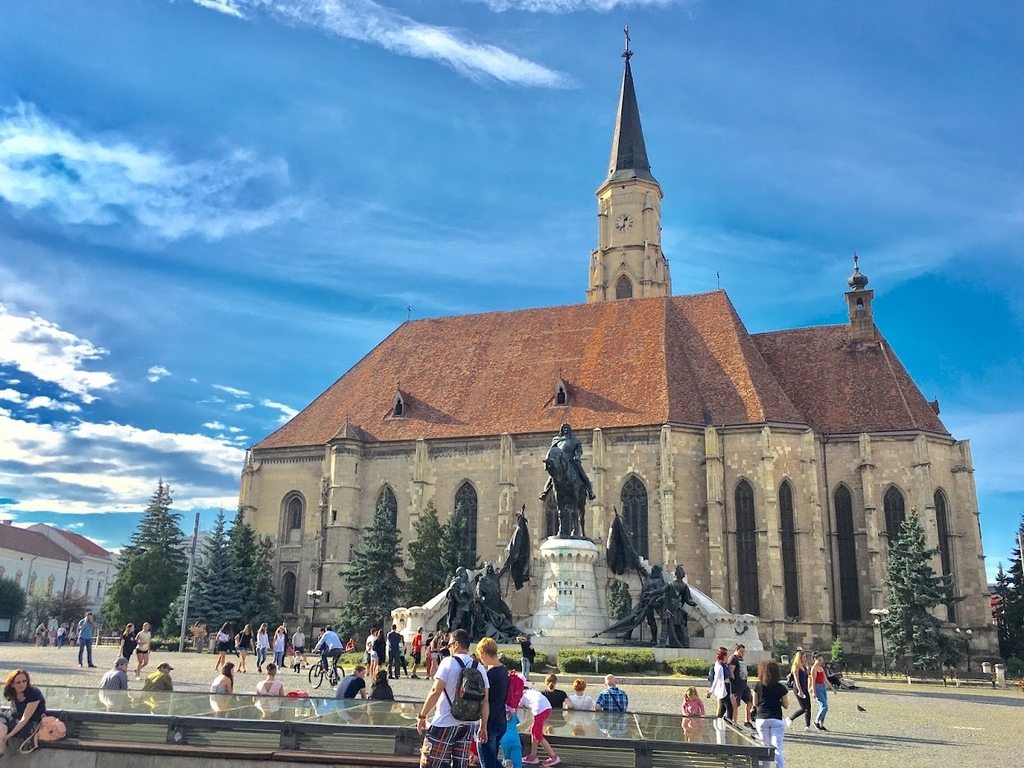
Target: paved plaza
902 727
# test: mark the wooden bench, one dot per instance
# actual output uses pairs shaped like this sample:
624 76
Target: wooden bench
927 676
974 678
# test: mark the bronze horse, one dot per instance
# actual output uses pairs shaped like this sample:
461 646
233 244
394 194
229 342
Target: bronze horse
570 494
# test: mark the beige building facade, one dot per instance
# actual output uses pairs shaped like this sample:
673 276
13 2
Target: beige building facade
774 467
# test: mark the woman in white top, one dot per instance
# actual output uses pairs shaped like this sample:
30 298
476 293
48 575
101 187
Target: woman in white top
270 686
720 685
142 640
578 699
280 641
262 646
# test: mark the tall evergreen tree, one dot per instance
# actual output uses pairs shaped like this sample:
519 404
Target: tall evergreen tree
214 600
456 548
265 602
1009 610
243 545
374 587
914 635
152 567
426 573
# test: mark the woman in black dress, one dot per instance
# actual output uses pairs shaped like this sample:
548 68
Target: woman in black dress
244 642
27 708
128 641
381 687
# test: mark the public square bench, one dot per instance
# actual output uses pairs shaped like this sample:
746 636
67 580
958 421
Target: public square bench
927 676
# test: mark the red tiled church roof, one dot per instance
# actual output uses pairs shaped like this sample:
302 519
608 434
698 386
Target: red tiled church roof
682 359
86 545
842 386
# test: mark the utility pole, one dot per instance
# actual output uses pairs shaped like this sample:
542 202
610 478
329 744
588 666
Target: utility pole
188 586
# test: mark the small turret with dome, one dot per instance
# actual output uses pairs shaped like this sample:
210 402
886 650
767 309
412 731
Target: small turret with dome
858 300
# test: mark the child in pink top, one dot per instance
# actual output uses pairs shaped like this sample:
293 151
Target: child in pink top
692 704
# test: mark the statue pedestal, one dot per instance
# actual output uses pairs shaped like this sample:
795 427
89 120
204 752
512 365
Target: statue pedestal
570 611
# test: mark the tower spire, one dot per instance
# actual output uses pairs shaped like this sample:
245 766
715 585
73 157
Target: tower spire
629 154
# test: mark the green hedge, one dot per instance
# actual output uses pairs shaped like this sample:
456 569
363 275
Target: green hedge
618 661
512 657
688 667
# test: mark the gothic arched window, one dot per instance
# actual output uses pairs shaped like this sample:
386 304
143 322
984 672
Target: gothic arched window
294 509
466 503
746 550
788 532
288 592
849 584
389 501
945 546
623 288
634 515
550 515
895 512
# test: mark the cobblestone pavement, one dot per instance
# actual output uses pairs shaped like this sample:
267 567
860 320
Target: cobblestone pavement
902 727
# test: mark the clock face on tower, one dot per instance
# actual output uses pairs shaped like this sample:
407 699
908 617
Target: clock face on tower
624 223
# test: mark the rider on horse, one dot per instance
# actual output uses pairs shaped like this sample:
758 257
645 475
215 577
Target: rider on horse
567 443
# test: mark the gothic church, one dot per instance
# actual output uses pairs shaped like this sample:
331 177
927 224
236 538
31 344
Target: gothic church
776 467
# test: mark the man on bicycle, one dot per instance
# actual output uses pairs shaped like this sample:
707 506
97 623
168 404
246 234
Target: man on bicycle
330 647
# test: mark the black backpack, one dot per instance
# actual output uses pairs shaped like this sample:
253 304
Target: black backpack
470 693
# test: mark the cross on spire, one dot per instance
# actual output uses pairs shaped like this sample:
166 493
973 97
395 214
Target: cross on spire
627 54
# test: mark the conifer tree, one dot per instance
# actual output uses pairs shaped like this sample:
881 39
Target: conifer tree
265 601
456 548
912 633
243 545
152 567
426 573
214 600
1009 610
374 587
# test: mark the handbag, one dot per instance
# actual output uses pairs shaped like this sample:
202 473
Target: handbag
49 729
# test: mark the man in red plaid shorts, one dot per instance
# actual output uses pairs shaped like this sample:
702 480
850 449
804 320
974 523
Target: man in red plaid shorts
447 740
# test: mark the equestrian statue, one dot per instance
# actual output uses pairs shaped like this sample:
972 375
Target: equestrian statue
569 482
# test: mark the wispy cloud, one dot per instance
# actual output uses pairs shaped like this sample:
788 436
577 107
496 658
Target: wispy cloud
51 354
157 372
105 181
41 401
214 425
286 411
241 406
370 22
570 6
231 390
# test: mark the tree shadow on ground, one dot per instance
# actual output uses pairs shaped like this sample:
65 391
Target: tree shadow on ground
944 695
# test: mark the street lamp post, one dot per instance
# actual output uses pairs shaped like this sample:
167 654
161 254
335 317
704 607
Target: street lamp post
968 635
314 595
879 614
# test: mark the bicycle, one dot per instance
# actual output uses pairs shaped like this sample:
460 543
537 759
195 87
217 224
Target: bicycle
334 672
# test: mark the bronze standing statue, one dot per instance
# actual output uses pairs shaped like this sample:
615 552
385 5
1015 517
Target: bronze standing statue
569 482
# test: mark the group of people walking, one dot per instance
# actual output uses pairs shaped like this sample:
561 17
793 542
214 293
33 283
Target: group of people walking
766 700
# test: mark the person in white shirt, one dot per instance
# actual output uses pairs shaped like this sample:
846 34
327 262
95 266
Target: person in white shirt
299 649
579 698
447 740
540 707
270 686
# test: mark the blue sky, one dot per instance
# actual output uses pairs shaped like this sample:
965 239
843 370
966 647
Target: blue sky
210 209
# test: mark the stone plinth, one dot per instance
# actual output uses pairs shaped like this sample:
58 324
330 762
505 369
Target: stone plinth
570 611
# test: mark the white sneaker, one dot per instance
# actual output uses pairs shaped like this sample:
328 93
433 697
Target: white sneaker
789 723
808 729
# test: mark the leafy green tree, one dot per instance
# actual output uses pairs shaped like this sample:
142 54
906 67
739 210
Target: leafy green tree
426 573
837 655
152 567
1009 605
374 587
619 601
12 599
911 631
456 548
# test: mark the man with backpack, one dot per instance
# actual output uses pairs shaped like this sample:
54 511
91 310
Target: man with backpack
460 695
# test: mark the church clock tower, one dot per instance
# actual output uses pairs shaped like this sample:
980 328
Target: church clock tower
628 262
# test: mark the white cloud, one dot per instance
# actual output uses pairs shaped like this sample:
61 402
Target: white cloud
214 425
51 354
14 382
41 401
74 526
231 390
241 406
232 429
222 6
370 22
12 395
105 181
156 373
91 467
286 411
570 6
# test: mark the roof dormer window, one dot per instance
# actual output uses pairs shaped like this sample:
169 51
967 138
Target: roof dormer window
562 392
398 406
